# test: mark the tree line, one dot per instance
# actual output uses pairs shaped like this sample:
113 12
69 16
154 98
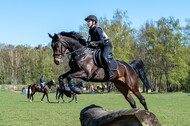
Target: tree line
163 45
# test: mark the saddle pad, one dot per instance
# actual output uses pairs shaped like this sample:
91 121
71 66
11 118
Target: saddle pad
113 65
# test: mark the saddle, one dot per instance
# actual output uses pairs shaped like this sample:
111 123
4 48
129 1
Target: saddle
98 60
41 87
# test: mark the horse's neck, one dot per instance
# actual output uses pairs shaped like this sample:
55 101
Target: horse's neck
48 84
72 44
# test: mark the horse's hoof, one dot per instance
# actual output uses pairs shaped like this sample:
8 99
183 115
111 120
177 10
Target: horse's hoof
30 100
41 101
77 102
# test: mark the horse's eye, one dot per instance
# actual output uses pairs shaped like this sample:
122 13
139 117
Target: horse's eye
57 45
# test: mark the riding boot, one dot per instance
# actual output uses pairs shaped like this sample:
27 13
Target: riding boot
41 87
108 73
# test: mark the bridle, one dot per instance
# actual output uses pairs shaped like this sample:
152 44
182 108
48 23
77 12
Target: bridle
63 45
58 54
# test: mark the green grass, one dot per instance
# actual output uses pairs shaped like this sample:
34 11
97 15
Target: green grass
171 109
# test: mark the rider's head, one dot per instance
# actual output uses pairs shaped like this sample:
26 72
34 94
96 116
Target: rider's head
91 20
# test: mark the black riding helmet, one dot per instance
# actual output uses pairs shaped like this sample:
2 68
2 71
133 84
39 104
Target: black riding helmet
92 17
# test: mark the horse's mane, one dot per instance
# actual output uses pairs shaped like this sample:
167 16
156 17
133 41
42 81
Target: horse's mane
74 35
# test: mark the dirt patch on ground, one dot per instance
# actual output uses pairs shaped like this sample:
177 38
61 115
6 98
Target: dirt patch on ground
10 87
14 88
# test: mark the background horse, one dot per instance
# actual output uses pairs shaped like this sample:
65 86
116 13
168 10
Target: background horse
60 92
36 87
82 66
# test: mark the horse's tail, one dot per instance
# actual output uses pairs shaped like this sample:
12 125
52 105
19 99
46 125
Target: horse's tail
57 92
138 66
29 86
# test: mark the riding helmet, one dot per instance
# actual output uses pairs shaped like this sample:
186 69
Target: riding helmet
92 17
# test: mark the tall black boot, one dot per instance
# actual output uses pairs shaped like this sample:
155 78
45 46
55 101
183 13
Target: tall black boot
108 73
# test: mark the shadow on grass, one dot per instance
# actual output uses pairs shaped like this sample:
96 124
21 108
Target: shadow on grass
186 91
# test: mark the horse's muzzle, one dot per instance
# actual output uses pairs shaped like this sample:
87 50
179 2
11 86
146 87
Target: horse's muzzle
57 62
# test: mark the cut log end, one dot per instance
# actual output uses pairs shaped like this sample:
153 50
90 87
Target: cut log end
94 115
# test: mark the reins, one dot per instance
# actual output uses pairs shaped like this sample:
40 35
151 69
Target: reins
68 53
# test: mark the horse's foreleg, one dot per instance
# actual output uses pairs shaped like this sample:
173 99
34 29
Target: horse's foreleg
126 93
42 97
78 74
61 77
47 97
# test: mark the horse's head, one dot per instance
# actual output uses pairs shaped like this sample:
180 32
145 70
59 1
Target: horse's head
63 41
58 48
52 82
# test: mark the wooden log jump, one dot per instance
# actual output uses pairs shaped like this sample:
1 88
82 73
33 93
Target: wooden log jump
97 116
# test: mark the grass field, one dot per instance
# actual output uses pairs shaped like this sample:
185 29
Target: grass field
171 109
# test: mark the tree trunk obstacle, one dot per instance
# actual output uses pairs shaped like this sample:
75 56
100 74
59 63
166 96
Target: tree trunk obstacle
97 116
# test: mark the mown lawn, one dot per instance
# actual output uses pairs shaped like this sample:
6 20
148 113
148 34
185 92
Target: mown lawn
171 109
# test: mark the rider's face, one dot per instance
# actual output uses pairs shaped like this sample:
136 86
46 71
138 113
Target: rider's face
89 23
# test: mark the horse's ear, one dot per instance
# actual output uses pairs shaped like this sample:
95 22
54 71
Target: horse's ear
56 36
50 35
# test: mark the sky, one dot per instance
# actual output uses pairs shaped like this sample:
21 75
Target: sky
28 22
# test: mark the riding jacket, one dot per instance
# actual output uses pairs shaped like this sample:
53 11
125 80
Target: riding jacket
99 37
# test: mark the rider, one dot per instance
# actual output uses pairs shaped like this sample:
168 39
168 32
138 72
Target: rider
42 82
98 36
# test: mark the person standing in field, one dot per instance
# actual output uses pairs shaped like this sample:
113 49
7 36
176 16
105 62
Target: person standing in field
92 90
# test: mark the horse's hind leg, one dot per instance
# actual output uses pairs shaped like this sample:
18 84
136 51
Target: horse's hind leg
62 97
141 98
31 96
126 92
76 98
72 99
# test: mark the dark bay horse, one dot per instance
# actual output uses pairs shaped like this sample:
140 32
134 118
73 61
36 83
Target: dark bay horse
82 66
35 88
60 92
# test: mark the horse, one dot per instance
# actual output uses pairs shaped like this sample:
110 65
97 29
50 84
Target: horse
60 92
82 66
36 88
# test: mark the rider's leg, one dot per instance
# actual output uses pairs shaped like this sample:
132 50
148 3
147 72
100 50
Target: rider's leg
105 52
